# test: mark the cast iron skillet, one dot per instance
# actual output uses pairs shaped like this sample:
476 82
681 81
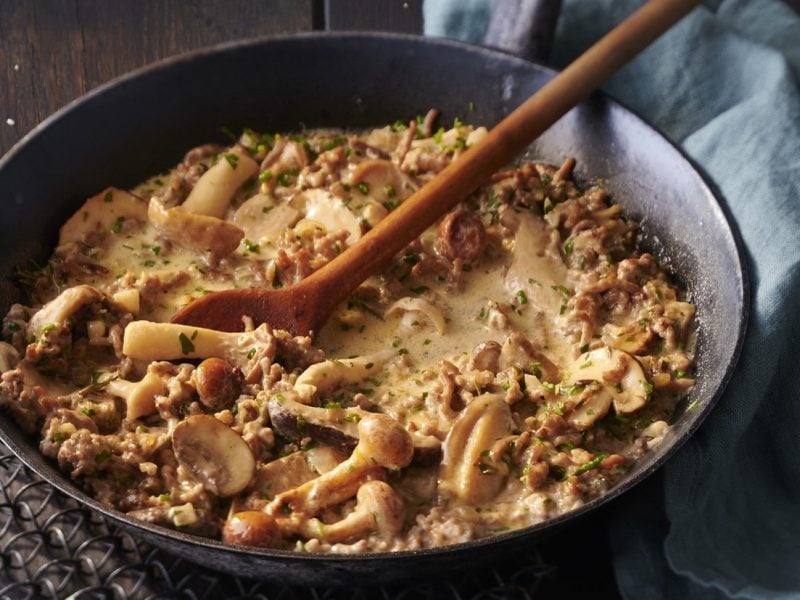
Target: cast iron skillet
143 123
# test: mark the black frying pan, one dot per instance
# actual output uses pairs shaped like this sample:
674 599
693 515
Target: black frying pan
143 123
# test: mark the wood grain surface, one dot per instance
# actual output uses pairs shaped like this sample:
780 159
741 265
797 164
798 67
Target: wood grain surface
53 51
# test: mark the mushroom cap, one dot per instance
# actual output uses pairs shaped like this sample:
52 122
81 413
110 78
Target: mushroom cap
218 384
252 528
215 454
383 441
386 508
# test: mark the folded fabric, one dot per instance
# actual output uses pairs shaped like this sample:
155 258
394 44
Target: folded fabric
724 85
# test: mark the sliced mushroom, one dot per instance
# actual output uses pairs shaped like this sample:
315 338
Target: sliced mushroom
285 156
199 232
383 181
64 306
379 509
215 454
260 218
419 306
330 211
591 404
469 471
617 370
534 271
333 426
324 376
213 192
101 213
634 338
382 443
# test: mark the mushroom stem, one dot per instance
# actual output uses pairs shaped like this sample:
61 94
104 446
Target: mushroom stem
379 509
382 443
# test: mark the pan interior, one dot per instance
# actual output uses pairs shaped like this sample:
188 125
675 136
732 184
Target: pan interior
143 123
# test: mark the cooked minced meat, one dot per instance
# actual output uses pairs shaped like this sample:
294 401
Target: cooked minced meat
505 368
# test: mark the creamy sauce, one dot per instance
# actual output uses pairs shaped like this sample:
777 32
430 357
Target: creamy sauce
527 364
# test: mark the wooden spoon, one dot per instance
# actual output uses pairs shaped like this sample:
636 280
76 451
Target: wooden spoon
305 306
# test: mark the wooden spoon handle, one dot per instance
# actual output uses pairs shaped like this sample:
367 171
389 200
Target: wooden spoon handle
505 141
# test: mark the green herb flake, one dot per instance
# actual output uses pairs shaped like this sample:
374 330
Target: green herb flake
284 179
389 190
522 298
251 353
116 227
233 160
265 176
569 247
251 246
681 375
648 387
109 196
592 464
363 187
187 346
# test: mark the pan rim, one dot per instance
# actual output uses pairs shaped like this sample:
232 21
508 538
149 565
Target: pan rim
31 457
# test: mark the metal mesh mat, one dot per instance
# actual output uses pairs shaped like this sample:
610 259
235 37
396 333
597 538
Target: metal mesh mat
51 547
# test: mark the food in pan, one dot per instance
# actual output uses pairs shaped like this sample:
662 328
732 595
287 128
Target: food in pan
508 366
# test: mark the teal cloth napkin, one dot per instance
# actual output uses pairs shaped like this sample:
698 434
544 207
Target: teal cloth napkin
724 84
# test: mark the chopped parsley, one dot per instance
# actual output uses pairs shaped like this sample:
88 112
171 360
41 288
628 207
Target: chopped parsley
233 160
592 464
187 346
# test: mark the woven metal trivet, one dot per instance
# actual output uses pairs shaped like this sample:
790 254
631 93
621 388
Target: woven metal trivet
53 548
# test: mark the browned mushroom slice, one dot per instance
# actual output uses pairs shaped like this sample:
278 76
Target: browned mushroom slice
469 471
199 232
215 454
